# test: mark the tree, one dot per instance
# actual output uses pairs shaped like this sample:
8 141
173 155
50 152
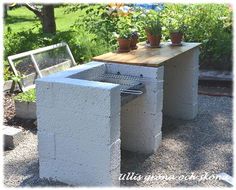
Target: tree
46 16
5 10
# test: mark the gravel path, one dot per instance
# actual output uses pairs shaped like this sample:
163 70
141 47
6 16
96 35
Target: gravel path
197 146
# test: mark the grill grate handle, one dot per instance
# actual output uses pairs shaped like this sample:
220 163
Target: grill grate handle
133 92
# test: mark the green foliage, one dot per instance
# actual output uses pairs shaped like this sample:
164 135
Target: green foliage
173 17
98 21
28 96
89 29
153 24
210 24
124 27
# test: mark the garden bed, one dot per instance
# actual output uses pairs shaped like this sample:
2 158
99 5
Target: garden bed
25 105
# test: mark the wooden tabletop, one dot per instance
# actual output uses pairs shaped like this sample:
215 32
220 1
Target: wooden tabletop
146 56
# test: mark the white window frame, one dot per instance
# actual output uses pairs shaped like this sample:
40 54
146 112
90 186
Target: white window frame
31 54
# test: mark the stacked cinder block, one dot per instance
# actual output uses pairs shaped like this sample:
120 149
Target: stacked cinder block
79 128
141 119
181 85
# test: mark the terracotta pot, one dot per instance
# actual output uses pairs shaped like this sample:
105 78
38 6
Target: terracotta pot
134 41
124 44
176 37
154 40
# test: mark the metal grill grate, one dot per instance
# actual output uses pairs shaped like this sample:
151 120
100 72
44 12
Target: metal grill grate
125 81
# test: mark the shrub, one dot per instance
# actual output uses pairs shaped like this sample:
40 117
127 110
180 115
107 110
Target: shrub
28 96
84 45
92 33
210 24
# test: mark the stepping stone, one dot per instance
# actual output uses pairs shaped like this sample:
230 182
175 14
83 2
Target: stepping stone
12 137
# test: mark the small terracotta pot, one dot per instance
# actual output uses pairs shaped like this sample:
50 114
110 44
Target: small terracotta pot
176 37
154 40
124 44
133 43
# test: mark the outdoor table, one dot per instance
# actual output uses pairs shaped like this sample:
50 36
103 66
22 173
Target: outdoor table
180 73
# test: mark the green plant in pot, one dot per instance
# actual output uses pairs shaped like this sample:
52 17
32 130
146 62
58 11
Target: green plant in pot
123 34
176 30
153 30
134 40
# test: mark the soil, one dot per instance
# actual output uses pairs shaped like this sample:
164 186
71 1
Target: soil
9 115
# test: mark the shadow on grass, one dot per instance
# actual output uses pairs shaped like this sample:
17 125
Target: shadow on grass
16 19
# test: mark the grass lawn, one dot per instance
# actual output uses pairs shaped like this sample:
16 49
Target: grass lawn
20 19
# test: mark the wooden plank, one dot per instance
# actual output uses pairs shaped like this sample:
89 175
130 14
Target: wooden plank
145 56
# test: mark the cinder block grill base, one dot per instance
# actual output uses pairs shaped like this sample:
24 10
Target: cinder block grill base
87 114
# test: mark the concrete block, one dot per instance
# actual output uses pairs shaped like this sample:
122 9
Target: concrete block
181 85
149 104
12 137
90 72
74 173
132 70
104 129
76 70
175 96
114 128
86 99
25 110
46 145
115 174
158 139
115 154
181 110
87 167
138 130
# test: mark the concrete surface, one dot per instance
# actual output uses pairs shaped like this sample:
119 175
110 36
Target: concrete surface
200 145
12 137
25 110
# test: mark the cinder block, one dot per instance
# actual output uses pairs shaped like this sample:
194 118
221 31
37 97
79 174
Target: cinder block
181 86
74 173
90 72
46 145
114 128
176 96
146 72
73 71
104 129
25 110
186 61
138 130
158 139
12 137
181 110
149 104
115 154
115 174
86 99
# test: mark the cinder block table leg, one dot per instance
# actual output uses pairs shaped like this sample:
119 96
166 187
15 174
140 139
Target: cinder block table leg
78 132
181 85
141 119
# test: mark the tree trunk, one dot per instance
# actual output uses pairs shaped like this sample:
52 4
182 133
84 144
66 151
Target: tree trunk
48 19
5 10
